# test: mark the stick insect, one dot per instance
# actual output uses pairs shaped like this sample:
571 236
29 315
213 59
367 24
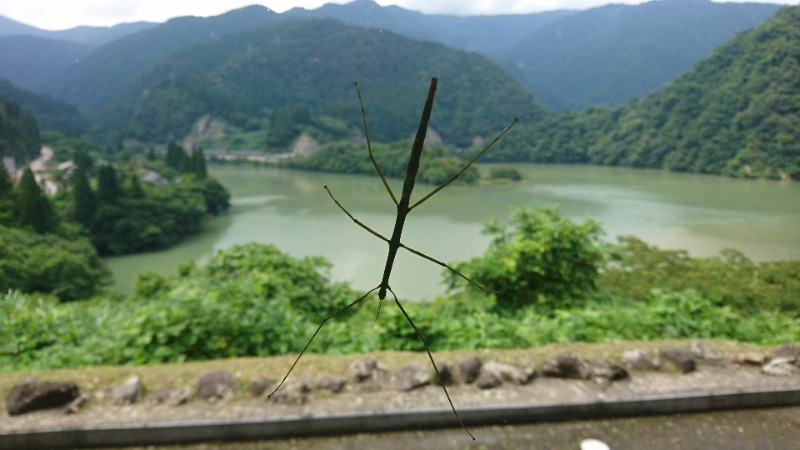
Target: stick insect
404 207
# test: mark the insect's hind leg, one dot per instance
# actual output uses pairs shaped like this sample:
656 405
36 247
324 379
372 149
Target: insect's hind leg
430 356
324 321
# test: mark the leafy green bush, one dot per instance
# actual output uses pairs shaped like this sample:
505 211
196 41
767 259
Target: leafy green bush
68 269
537 258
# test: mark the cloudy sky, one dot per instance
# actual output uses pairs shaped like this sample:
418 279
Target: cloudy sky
60 14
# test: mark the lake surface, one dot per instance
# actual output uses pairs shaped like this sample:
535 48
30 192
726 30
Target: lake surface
290 209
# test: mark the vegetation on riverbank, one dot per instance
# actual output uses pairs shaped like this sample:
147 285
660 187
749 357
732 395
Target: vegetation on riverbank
253 300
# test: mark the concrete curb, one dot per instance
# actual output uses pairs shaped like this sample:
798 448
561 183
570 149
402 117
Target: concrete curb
336 424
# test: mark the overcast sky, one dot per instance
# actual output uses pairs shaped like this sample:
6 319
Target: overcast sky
63 14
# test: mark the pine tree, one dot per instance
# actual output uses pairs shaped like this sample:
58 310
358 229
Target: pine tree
199 164
33 207
176 156
108 190
6 197
84 202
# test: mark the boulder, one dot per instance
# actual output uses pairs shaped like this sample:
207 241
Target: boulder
127 392
258 386
781 366
171 396
488 380
410 377
603 371
791 350
566 365
367 368
293 392
331 383
751 358
701 350
34 395
508 373
74 407
470 368
445 375
681 358
641 360
217 385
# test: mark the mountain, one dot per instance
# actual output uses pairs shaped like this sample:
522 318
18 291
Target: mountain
104 74
37 63
736 112
91 36
19 135
493 36
313 63
606 55
48 112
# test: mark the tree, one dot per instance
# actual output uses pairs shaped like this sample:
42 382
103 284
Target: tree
176 156
537 258
108 190
199 163
33 207
6 197
83 200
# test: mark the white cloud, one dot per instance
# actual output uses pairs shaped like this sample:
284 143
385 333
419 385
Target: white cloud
60 14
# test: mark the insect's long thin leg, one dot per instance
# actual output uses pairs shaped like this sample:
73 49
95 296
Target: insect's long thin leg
356 221
435 369
443 264
369 146
325 320
464 169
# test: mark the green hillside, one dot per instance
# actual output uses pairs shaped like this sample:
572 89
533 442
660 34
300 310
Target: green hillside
19 135
313 63
49 112
737 112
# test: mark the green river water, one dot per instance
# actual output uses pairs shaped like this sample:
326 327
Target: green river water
290 209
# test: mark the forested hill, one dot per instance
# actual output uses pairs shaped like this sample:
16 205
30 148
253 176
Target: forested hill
19 135
49 113
313 63
737 112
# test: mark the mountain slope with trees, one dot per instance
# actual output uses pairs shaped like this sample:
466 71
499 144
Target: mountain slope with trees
313 63
49 113
736 112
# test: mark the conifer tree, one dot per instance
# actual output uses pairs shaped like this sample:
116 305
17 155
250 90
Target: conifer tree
84 202
33 207
108 190
176 156
6 197
199 163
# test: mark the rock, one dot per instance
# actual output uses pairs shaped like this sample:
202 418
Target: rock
445 375
786 350
410 377
217 385
508 373
332 383
34 395
74 407
258 386
128 392
293 392
681 358
488 380
702 350
566 365
470 368
367 368
603 371
781 366
641 360
753 358
172 397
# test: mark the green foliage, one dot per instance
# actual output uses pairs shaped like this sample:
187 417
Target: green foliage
537 258
19 134
736 112
7 213
83 199
285 124
499 173
109 191
438 164
33 208
731 279
175 156
69 269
